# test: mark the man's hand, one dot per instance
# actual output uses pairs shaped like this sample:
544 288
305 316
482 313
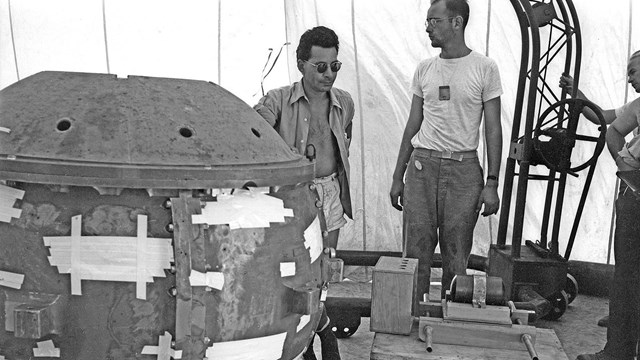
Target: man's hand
397 193
566 82
489 197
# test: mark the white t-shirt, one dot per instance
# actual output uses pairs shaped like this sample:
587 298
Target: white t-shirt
454 124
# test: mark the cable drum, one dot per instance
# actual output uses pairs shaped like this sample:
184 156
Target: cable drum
466 288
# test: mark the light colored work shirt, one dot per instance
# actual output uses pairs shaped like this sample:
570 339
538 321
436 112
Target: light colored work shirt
287 109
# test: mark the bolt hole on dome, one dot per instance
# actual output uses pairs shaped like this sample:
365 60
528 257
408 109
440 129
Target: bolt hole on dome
63 124
186 132
255 132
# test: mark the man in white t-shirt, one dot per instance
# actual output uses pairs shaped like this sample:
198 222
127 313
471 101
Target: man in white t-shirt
438 179
623 330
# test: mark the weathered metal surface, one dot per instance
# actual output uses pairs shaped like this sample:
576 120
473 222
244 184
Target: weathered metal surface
138 132
106 321
255 301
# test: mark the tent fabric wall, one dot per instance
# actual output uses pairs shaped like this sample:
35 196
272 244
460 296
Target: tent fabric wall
228 42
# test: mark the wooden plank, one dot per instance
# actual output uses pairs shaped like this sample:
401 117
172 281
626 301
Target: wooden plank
467 312
399 347
478 335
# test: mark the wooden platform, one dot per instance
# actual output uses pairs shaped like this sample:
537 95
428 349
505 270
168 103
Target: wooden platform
399 347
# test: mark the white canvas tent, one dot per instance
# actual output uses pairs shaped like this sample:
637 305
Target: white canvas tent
228 42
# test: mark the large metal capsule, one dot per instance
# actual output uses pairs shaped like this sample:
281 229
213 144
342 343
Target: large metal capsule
106 174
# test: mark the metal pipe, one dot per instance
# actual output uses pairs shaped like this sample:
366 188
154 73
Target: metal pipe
428 337
507 190
526 339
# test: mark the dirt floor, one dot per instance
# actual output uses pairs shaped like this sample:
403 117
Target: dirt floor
577 330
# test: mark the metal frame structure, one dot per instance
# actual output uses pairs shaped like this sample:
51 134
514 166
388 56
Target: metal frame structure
548 138
524 148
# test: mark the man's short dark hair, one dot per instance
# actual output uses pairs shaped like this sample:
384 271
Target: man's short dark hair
318 36
457 7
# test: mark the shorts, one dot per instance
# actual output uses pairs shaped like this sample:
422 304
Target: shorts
328 190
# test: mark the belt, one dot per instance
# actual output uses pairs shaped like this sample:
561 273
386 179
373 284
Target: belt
453 155
324 179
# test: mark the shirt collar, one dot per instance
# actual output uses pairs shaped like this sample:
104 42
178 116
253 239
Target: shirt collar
298 92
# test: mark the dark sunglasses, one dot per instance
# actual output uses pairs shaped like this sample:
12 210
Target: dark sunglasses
321 67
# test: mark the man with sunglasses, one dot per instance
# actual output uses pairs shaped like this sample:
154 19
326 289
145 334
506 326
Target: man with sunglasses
313 112
438 181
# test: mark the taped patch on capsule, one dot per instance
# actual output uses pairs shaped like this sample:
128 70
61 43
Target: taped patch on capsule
262 348
163 350
212 279
244 209
11 280
46 349
8 197
313 239
110 258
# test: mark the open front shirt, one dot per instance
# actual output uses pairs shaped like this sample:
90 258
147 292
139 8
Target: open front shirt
287 109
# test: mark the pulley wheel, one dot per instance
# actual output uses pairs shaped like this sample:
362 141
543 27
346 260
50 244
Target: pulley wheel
559 124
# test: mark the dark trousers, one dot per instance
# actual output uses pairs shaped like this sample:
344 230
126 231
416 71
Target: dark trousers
440 200
623 332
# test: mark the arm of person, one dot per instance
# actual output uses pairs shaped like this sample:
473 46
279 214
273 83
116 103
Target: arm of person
269 108
493 135
348 128
412 127
566 82
616 132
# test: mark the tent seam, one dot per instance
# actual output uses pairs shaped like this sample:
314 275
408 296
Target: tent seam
13 41
220 42
362 152
104 31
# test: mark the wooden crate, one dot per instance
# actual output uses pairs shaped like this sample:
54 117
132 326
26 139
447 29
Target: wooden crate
393 297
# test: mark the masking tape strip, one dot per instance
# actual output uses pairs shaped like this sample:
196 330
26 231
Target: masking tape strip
141 284
267 347
8 197
11 280
76 227
287 269
243 209
212 279
110 258
46 349
163 350
304 320
9 192
313 239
